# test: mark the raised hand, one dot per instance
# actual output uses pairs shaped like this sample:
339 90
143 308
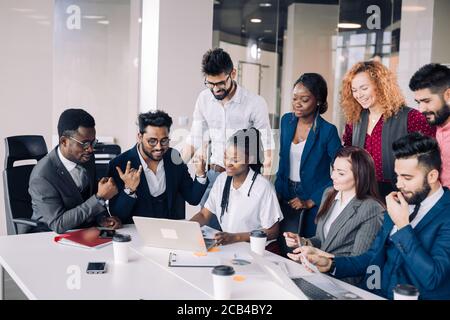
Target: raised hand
131 177
200 165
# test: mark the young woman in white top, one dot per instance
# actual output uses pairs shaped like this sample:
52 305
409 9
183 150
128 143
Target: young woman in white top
241 198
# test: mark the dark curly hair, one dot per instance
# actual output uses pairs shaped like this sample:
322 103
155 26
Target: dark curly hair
433 76
216 62
156 118
317 85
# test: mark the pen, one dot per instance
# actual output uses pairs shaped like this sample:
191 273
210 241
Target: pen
107 207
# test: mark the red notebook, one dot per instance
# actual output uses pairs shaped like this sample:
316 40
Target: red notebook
85 238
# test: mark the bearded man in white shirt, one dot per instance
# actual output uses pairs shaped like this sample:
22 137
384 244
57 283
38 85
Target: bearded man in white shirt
221 109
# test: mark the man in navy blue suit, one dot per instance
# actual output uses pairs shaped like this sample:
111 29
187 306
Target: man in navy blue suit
413 246
151 177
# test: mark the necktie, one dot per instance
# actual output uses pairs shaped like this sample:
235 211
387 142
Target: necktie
414 213
79 175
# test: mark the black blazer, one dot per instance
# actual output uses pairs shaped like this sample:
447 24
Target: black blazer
179 187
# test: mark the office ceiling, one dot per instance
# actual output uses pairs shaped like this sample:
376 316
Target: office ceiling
232 18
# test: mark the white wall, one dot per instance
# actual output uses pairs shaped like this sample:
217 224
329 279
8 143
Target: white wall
26 58
173 44
95 66
440 51
424 38
184 35
415 42
308 48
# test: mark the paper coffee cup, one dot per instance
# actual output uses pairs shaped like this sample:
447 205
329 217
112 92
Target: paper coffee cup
406 292
120 246
258 240
222 281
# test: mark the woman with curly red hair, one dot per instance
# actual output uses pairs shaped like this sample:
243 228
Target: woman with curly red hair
376 116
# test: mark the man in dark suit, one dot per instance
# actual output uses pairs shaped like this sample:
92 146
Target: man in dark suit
62 186
413 245
151 177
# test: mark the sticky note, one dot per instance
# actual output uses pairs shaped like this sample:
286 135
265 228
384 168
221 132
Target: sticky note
200 254
238 278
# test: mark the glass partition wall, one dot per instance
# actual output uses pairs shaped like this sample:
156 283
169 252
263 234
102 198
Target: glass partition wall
272 42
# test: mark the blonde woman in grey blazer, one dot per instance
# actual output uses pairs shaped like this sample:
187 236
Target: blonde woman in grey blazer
351 213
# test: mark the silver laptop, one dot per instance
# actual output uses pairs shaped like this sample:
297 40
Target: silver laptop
313 287
172 234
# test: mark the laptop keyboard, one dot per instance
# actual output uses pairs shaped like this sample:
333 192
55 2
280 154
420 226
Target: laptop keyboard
311 291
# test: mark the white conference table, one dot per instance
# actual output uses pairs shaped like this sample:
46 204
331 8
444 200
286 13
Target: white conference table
44 269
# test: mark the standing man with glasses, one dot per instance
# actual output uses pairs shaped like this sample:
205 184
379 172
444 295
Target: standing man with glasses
152 179
63 189
223 108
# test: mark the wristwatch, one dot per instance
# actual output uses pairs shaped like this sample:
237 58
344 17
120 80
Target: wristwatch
130 193
202 176
332 266
100 200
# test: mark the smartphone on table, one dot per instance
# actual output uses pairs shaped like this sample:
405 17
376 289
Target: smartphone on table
96 268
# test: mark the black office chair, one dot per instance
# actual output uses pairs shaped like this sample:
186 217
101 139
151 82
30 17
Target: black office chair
16 179
104 153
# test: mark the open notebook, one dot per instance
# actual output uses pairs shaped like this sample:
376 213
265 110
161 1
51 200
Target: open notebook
85 238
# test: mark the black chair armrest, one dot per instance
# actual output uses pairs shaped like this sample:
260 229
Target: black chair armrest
26 221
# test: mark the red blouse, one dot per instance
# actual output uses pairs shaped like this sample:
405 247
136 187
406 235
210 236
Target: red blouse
416 122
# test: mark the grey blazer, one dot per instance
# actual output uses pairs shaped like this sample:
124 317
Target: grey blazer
354 230
55 198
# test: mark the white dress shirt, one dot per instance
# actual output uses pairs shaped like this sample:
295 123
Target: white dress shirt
338 207
216 122
295 158
425 206
245 213
70 166
156 182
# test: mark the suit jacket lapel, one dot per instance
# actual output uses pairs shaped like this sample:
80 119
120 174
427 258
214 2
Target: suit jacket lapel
311 139
135 163
321 224
168 169
90 170
437 209
65 175
290 132
340 221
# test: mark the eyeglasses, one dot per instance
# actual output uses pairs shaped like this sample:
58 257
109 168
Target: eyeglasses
87 144
220 84
154 142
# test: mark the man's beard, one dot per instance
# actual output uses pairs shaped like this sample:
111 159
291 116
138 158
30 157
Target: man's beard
419 195
440 116
223 95
150 155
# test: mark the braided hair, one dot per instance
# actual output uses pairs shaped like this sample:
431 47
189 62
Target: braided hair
249 141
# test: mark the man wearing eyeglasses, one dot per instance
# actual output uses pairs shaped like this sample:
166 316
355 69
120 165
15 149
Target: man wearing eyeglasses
62 186
151 177
221 109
